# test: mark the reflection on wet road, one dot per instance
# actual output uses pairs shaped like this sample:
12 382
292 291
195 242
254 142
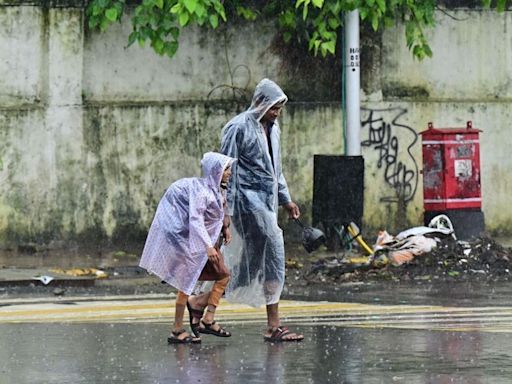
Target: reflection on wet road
123 340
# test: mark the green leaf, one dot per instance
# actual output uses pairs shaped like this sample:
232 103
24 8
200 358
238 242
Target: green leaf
428 50
97 10
184 18
318 3
175 32
214 21
93 23
190 5
223 15
330 46
316 45
201 11
176 8
132 38
375 22
158 46
111 14
104 24
171 48
333 23
159 3
219 8
382 5
246 13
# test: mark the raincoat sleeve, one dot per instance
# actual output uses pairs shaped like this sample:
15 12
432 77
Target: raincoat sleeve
199 239
229 146
283 195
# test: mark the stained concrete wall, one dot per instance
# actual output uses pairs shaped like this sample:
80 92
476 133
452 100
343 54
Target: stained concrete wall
92 132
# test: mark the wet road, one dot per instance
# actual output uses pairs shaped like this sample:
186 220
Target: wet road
123 340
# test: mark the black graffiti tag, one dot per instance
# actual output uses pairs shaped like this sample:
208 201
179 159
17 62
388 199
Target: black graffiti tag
383 137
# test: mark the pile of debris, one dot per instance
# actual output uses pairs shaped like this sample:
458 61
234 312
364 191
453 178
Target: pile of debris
480 258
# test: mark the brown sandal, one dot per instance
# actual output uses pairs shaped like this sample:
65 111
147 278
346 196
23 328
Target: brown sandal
279 335
175 339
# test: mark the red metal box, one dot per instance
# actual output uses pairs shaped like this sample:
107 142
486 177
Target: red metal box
451 168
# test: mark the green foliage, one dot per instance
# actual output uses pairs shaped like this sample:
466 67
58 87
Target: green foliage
101 13
318 22
157 21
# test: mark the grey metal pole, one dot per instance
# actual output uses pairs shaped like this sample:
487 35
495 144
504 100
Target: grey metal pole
352 84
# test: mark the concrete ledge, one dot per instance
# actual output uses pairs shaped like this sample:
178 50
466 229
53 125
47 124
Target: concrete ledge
35 276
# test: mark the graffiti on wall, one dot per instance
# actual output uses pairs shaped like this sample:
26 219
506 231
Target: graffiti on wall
393 141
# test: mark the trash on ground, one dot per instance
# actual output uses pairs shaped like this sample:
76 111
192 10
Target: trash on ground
420 254
80 272
44 279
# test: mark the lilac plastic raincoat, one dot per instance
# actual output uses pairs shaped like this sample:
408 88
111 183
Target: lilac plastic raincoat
188 220
257 187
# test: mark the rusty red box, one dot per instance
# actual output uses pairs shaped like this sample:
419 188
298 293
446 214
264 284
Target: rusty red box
451 168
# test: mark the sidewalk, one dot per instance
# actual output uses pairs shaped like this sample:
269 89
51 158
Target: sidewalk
59 277
67 267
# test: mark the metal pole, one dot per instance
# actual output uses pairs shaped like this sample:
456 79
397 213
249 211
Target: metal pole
352 84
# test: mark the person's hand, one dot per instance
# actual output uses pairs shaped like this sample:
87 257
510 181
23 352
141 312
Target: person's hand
213 256
226 234
293 210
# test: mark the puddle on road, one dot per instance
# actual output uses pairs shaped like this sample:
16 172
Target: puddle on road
138 353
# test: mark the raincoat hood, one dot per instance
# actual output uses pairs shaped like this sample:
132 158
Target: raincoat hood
214 164
266 95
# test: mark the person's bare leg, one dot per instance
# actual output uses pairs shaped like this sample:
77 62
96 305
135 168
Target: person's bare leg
179 313
273 325
273 315
209 316
213 301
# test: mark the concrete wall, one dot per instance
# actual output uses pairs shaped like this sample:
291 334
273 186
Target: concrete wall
92 132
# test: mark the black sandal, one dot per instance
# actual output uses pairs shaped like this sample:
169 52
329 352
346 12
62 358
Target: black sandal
194 314
175 339
221 332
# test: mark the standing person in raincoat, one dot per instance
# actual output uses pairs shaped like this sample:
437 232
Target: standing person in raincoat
256 255
186 226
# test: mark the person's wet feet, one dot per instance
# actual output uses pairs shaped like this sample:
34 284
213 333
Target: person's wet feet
181 336
213 329
281 334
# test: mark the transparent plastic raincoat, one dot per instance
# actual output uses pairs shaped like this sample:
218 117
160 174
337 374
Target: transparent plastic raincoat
188 220
255 256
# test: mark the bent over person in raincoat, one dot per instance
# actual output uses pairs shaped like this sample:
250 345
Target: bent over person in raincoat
186 226
256 255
